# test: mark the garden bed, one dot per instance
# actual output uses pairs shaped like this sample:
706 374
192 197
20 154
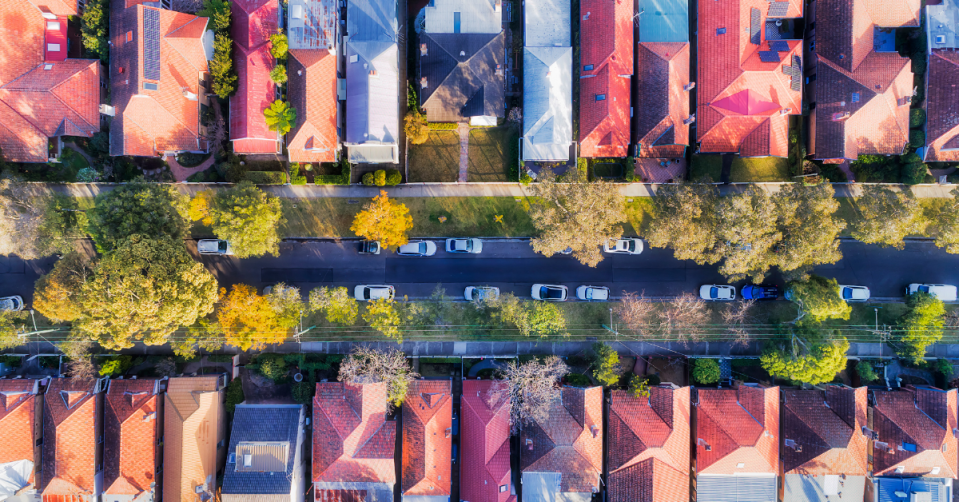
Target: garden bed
607 170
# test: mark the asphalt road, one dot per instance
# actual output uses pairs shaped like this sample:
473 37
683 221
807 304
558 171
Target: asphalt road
513 266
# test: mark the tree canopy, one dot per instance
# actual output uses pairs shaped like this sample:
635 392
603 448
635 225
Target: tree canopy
806 217
529 317
606 369
706 371
147 209
56 294
337 304
11 324
532 389
810 362
947 225
249 320
33 225
745 237
383 316
249 219
416 127
385 221
887 216
922 325
279 45
366 365
280 116
818 298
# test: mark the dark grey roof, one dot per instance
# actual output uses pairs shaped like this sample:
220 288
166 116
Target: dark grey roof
462 81
262 423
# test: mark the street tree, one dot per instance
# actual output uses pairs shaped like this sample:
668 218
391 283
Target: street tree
921 325
887 216
745 237
806 217
636 313
529 318
533 387
337 304
383 220
34 225
737 318
287 303
56 294
11 325
205 334
818 298
248 320
946 225
606 367
575 214
280 116
200 207
366 365
145 289
683 318
249 219
813 362
147 209
686 221
383 316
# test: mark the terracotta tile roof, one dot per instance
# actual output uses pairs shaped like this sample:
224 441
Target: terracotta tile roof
650 462
827 429
663 72
570 442
149 122
18 420
484 440
607 44
130 437
427 438
312 91
253 23
942 107
921 419
70 428
193 423
738 425
352 441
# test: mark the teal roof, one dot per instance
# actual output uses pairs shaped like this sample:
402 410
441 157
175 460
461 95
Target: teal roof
663 21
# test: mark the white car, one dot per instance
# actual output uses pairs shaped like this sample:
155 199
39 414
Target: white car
479 293
626 245
367 292
717 292
944 292
421 248
11 303
549 292
853 293
592 293
473 246
214 246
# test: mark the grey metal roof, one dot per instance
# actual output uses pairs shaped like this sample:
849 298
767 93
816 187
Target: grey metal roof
939 489
547 103
736 488
805 488
943 23
547 23
663 21
461 75
372 74
312 24
476 16
262 424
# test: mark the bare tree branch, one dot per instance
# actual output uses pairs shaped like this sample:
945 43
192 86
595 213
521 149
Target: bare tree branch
533 386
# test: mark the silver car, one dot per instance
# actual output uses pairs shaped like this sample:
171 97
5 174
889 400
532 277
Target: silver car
549 292
473 246
214 246
853 293
481 293
367 292
717 293
592 293
625 245
11 304
421 248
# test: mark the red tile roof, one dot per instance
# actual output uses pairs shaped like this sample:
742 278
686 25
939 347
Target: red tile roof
570 442
923 419
18 420
312 91
485 442
663 72
738 426
607 44
650 462
827 428
427 438
130 430
70 427
731 73
942 107
352 441
253 23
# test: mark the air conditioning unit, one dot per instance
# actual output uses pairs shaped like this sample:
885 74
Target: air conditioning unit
940 39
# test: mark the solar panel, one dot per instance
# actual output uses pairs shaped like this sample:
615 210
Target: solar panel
755 26
769 56
778 9
797 61
796 84
779 46
151 44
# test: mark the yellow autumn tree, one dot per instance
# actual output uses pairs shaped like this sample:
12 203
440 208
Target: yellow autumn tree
200 207
385 221
247 319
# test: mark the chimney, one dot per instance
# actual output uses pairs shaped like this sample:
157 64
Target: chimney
497 5
424 83
424 50
529 444
792 444
702 442
690 86
595 430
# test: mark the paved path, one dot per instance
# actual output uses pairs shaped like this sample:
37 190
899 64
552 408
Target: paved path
181 173
464 131
73 146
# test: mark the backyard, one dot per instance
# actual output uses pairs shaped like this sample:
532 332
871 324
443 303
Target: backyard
493 154
437 160
758 170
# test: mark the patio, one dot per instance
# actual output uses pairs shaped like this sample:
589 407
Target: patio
660 170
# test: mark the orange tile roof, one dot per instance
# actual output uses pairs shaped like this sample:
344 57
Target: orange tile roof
738 426
70 428
484 441
427 438
312 91
193 423
607 35
18 420
921 419
663 72
942 107
130 425
827 429
253 23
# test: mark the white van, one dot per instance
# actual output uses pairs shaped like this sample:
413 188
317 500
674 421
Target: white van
943 292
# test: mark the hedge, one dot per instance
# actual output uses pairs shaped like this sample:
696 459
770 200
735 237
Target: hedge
265 177
917 117
917 139
443 126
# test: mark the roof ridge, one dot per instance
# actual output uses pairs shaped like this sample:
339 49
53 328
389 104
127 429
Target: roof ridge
174 46
153 140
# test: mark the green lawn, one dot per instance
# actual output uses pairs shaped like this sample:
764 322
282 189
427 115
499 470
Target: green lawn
757 170
703 166
437 160
639 215
492 152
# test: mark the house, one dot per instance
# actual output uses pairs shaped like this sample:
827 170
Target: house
825 456
547 81
650 462
917 489
562 457
462 61
606 57
253 23
485 474
372 82
158 79
44 93
942 95
130 454
737 443
266 457
72 465
661 100
750 76
194 432
916 429
353 443
427 441
861 88
313 81
21 407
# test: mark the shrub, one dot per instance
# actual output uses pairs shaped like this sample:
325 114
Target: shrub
917 139
11 361
278 74
706 371
393 177
189 159
279 45
116 366
919 65
945 367
605 364
639 386
303 392
578 380
917 117
443 126
379 178
416 127
234 394
368 179
295 177
272 366
265 177
914 173
866 372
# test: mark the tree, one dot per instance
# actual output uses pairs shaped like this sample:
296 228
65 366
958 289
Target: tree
806 217
278 76
200 207
818 298
382 316
922 326
636 313
385 221
705 371
146 209
279 45
639 386
416 127
56 294
745 236
280 116
685 218
34 225
540 318
205 334
219 13
249 219
287 303
221 67
95 29
684 317
61 226
366 365
576 214
337 304
11 325
737 319
533 386
887 217
606 369
946 224
866 372
144 289
815 364
248 320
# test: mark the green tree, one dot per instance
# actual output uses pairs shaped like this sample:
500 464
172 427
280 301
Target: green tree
221 67
887 217
146 209
806 216
56 294
540 318
812 363
686 221
382 316
63 223
745 238
639 386
279 45
866 372
205 334
337 304
287 303
706 371
95 29
219 13
546 319
33 225
606 369
946 224
249 219
922 325
818 298
416 127
278 76
280 116
11 324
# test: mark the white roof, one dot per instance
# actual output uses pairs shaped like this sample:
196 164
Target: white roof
547 23
14 476
547 103
476 16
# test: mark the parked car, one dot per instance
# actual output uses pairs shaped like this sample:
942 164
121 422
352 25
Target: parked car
944 292
754 292
568 250
549 292
853 293
592 293
11 303
420 248
369 247
476 293
366 293
626 245
214 246
474 246
717 292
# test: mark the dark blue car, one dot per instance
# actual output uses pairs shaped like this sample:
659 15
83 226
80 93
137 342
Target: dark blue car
760 292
